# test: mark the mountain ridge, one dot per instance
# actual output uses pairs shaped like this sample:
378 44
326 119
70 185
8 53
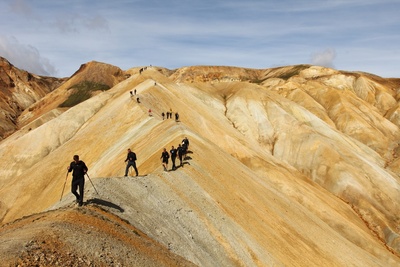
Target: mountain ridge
282 162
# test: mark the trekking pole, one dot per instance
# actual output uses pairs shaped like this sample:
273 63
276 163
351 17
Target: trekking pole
62 193
92 183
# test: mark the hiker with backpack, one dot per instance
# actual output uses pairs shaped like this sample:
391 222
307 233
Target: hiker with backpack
131 159
78 169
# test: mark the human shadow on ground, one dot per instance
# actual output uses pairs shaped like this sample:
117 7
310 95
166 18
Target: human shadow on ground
179 166
186 157
102 202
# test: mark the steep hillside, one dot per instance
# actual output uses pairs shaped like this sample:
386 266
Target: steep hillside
293 166
18 90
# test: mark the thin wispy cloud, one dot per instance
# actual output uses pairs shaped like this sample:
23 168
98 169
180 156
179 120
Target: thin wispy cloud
324 58
79 23
171 34
21 7
25 57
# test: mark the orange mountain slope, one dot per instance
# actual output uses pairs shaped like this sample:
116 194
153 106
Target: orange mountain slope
292 166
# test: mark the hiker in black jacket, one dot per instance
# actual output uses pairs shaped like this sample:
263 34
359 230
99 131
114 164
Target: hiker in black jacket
78 169
180 154
165 157
185 146
131 159
173 153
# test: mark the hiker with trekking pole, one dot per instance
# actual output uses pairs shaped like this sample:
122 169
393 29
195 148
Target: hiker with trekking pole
78 169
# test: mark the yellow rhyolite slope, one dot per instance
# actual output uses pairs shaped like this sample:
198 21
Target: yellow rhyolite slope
291 167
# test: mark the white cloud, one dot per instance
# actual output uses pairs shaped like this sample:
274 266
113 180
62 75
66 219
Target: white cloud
25 57
324 58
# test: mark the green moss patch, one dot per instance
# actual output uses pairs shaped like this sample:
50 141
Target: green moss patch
82 91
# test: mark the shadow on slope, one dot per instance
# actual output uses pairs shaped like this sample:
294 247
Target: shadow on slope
105 203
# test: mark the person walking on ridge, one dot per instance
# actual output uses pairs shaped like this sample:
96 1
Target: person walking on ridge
165 157
131 159
185 141
180 154
173 157
78 169
185 146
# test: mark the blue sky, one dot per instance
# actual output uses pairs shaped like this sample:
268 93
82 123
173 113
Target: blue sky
54 37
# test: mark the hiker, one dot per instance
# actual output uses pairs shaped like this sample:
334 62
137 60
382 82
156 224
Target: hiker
150 112
163 114
185 146
131 93
137 100
164 157
78 169
184 150
176 116
135 91
173 157
186 142
131 159
180 154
